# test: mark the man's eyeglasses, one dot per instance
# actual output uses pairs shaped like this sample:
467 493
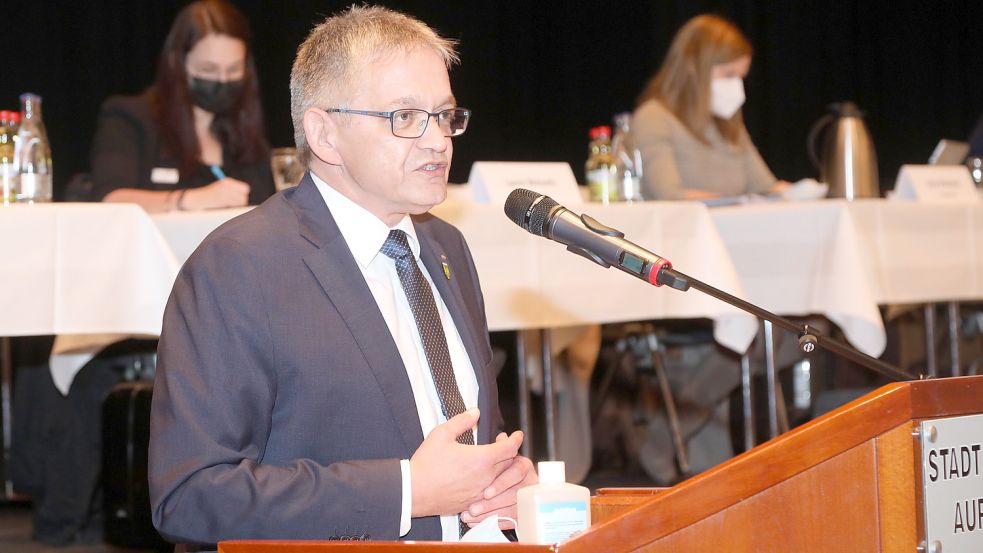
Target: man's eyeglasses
412 123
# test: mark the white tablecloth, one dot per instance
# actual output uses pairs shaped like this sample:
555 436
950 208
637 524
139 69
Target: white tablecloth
82 268
920 253
90 273
94 272
842 259
531 282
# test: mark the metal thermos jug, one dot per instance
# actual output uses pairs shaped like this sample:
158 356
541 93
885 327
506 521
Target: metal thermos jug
848 162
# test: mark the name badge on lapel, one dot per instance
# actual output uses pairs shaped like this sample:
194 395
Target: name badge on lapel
164 175
445 266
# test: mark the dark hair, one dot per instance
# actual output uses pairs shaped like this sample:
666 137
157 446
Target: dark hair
240 131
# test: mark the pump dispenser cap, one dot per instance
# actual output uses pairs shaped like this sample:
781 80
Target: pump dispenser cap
552 472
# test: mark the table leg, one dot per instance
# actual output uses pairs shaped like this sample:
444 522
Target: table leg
771 374
6 381
549 393
954 336
930 366
523 392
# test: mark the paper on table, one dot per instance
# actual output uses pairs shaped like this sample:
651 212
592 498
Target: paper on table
805 189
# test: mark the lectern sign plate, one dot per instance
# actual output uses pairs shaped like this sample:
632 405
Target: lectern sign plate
952 452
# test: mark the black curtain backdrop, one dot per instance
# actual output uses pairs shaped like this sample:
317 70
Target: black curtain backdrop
538 75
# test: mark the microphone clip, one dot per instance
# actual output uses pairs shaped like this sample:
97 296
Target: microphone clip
596 227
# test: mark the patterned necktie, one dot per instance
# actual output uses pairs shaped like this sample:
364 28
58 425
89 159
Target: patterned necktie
431 331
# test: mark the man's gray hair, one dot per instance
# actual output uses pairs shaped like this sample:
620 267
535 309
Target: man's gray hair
329 61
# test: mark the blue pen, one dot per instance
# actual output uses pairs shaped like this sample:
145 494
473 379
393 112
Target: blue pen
217 171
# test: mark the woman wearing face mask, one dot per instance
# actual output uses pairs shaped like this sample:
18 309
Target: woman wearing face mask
688 123
157 150
195 139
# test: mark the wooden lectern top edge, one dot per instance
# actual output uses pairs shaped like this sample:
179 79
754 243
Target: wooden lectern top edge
946 397
785 456
316 546
629 491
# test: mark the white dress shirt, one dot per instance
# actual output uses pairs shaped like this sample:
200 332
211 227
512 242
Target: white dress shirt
365 234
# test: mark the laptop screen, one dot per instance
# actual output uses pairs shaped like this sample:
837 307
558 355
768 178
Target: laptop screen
949 152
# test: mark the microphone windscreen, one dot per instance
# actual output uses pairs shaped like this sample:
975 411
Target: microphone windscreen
530 210
518 203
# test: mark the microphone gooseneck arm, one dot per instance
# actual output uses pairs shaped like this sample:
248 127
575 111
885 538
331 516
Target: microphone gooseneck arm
809 339
584 236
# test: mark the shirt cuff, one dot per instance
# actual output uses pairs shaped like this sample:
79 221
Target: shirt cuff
407 507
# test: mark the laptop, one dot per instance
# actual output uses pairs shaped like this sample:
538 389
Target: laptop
949 152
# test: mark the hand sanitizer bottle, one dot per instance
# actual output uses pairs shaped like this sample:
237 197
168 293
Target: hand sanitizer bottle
553 510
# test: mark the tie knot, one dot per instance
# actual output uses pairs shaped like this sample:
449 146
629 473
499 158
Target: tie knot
396 245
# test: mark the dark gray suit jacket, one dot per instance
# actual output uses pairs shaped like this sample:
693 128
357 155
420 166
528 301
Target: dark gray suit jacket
281 406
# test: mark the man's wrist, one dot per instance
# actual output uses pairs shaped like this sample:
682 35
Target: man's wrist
406 509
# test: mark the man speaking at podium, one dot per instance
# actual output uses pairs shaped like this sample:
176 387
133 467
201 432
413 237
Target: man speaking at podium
324 366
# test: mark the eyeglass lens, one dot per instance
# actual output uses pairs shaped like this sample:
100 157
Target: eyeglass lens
412 123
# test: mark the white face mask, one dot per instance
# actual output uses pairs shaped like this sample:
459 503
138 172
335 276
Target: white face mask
726 96
487 531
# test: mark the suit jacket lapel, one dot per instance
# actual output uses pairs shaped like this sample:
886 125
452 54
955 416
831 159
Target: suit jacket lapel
433 257
337 272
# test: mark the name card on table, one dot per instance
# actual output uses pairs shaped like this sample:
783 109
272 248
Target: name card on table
493 181
952 483
940 184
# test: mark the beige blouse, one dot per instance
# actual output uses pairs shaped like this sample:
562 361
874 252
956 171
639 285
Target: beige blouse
674 160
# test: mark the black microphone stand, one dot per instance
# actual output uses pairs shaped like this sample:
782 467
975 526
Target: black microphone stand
808 337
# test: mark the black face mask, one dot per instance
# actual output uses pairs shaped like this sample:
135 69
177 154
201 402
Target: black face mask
215 96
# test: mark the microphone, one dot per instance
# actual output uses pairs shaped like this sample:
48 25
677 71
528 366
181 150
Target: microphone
585 236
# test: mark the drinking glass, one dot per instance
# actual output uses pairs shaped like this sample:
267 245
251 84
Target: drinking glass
287 170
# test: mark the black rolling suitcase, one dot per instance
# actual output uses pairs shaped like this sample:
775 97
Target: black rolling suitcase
126 496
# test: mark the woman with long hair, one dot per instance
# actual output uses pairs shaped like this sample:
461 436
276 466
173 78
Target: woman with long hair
688 124
195 139
160 150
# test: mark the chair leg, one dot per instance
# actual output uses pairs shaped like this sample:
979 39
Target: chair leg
598 398
677 435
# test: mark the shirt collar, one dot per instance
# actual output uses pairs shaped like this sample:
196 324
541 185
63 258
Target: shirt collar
363 232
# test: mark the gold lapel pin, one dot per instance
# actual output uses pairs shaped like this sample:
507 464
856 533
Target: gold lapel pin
447 269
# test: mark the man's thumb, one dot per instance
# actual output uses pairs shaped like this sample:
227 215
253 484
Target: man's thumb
459 424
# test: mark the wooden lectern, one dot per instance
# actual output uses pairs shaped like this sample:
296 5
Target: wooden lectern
848 481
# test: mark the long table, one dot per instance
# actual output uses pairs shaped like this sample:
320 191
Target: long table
91 273
531 283
843 259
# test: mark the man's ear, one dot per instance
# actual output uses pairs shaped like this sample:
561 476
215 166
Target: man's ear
321 132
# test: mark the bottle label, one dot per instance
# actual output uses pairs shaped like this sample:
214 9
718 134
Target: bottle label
601 183
8 182
559 521
33 187
631 187
28 185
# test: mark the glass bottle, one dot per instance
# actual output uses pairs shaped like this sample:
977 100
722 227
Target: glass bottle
8 176
600 167
32 154
627 159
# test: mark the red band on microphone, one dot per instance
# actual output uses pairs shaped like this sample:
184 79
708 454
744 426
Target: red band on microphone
654 273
